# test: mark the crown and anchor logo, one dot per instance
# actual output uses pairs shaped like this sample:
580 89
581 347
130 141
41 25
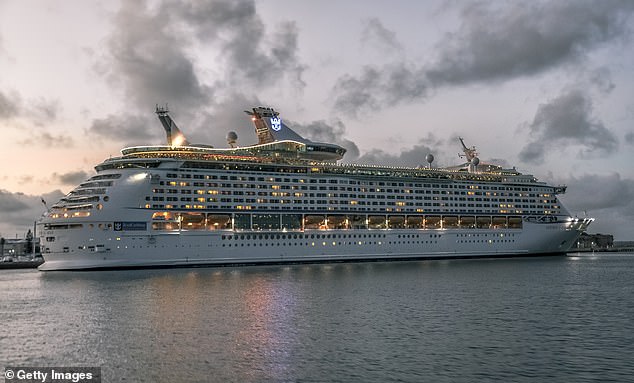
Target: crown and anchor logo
276 123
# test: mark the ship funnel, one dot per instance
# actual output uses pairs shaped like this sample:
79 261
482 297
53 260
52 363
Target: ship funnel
259 116
269 126
174 136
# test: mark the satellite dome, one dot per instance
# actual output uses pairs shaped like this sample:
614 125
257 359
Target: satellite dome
475 161
232 137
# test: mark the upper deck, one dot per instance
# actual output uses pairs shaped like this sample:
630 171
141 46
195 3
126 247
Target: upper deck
280 149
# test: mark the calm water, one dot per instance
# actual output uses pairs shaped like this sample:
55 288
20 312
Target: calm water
552 319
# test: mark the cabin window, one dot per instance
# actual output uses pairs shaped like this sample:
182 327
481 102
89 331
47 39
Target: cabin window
192 221
314 222
377 222
291 221
357 222
218 221
266 221
467 222
396 222
515 223
432 222
483 222
414 222
338 222
242 221
499 223
450 222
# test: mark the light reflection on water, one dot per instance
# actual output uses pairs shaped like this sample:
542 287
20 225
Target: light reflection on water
546 319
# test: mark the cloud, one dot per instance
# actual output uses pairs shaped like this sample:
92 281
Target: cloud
19 210
47 139
567 120
37 111
225 116
129 128
148 50
355 94
496 42
375 33
52 140
444 151
607 197
34 116
376 88
25 179
10 105
249 56
71 178
598 192
629 138
10 203
147 55
43 111
601 79
412 157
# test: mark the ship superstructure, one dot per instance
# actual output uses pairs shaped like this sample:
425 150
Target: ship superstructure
288 199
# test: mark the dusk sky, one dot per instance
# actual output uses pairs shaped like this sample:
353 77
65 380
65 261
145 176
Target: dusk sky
547 87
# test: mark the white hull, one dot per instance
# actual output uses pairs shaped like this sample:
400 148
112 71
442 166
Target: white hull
195 248
273 202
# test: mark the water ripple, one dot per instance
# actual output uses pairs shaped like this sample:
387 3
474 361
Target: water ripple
555 319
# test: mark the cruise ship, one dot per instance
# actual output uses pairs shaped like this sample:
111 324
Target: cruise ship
290 199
